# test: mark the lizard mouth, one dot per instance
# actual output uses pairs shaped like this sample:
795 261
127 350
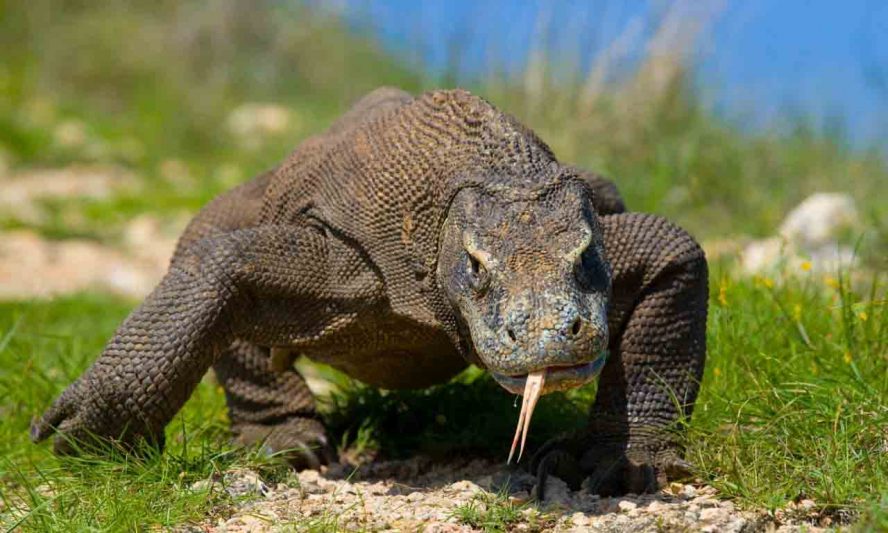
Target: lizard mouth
558 378
542 381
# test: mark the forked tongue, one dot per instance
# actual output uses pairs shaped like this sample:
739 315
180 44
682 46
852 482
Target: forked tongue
533 389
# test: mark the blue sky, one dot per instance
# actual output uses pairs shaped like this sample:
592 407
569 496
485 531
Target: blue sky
762 61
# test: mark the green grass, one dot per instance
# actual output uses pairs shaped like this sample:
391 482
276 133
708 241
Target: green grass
43 346
794 405
495 512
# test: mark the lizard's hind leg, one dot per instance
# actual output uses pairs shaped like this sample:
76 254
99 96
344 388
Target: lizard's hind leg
273 408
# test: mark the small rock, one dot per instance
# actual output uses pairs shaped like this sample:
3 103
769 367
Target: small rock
707 490
674 488
809 234
201 485
580 519
712 514
240 483
688 492
656 507
807 505
705 501
466 486
819 219
737 524
626 505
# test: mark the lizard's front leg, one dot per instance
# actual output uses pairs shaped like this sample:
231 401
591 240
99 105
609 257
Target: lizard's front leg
160 352
272 406
657 319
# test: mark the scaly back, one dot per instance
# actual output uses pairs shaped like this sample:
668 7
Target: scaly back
383 177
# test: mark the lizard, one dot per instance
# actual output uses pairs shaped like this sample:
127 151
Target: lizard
416 236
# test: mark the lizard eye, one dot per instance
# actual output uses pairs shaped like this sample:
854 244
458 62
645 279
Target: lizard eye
590 270
479 278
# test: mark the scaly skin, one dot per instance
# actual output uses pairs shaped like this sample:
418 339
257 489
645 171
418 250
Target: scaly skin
414 237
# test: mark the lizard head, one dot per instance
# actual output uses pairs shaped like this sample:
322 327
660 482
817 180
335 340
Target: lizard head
529 281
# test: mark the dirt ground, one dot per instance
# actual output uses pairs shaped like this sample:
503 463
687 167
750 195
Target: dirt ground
460 496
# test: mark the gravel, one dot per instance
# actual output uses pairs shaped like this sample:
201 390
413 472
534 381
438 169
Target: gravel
422 495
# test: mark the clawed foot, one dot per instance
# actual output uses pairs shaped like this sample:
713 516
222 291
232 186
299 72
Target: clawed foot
82 421
606 468
301 441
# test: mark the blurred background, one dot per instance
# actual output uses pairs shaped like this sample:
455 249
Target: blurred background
119 119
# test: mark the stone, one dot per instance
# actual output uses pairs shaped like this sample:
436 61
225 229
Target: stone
819 219
727 505
711 514
242 483
580 519
201 485
626 505
809 236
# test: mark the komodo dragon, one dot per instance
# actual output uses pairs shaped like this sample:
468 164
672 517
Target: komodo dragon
415 236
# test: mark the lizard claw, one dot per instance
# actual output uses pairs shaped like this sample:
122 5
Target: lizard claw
80 422
301 441
606 466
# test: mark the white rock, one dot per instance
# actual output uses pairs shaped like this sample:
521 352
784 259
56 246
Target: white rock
727 506
239 483
807 505
712 514
626 505
809 233
819 219
580 519
688 492
762 255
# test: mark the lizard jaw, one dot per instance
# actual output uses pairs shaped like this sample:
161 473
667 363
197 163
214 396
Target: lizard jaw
558 378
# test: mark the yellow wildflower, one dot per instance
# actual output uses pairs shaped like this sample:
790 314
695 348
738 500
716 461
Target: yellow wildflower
797 312
847 358
862 316
831 282
723 294
806 265
769 283
716 372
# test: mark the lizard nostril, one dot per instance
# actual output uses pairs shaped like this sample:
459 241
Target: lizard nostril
576 327
511 333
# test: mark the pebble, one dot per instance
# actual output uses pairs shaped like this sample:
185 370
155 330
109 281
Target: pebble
712 514
580 519
242 483
412 495
626 505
